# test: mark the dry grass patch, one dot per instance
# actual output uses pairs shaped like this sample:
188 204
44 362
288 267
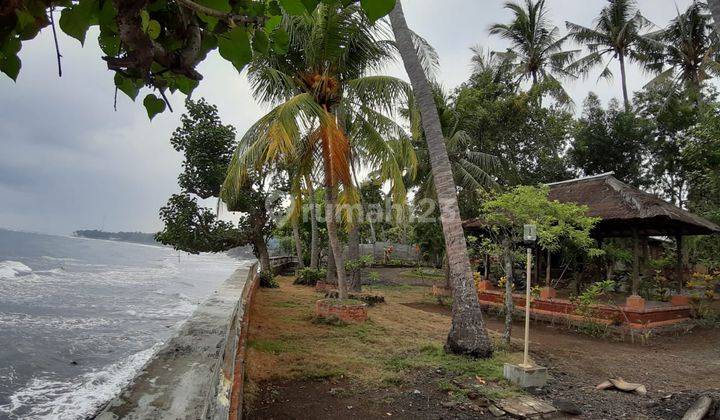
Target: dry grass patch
396 342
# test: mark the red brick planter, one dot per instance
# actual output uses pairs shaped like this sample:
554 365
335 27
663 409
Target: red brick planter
484 285
324 287
680 300
548 293
346 310
631 316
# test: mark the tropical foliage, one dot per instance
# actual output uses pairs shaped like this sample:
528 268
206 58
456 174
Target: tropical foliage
619 33
536 51
156 43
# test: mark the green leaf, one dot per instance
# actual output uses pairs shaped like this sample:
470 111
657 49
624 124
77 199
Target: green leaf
209 20
261 42
24 19
153 105
144 20
280 41
106 17
76 20
273 9
153 29
10 47
310 5
185 85
220 5
293 7
234 46
376 9
273 23
10 65
109 43
127 86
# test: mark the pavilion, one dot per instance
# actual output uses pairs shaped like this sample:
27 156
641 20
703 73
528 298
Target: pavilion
627 212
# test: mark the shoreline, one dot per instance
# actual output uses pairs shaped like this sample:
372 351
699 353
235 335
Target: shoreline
174 382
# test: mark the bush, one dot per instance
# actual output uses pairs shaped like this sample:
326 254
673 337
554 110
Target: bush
374 277
370 300
310 276
267 280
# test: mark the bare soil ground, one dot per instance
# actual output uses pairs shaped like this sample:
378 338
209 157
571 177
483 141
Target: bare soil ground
393 366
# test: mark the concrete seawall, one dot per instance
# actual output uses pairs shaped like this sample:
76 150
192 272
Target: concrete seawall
198 374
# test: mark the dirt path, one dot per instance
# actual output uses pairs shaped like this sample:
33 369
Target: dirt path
673 368
666 363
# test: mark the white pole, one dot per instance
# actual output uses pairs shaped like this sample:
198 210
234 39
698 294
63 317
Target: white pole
526 362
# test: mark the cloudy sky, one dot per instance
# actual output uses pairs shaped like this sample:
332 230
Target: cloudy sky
69 161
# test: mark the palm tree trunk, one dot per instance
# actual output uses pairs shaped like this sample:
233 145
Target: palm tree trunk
621 57
335 245
298 244
534 85
509 280
314 246
467 334
331 275
354 280
714 6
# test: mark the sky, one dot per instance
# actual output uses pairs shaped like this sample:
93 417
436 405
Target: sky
68 161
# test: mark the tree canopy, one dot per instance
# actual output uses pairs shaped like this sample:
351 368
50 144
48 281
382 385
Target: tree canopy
159 43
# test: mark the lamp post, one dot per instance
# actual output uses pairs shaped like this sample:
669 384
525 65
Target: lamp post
529 238
525 374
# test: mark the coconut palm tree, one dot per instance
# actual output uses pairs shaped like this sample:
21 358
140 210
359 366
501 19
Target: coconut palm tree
714 6
618 33
319 84
472 170
381 147
467 334
690 49
537 49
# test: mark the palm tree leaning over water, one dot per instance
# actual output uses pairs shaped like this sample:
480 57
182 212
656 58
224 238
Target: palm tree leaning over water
618 33
537 49
467 334
320 83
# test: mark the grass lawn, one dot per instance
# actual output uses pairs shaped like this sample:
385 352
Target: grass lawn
397 348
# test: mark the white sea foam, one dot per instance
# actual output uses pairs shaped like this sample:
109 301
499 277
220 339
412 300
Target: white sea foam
51 399
12 269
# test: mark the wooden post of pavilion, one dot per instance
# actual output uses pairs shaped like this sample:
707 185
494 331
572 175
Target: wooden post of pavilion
636 263
679 272
635 301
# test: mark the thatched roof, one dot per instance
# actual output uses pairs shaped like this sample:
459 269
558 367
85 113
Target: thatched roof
623 208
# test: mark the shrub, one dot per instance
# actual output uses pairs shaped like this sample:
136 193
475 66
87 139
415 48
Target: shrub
267 280
310 276
374 277
590 297
370 300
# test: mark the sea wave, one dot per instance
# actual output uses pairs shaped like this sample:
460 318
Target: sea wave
12 269
46 398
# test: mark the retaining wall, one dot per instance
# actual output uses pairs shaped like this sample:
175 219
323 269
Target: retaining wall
199 373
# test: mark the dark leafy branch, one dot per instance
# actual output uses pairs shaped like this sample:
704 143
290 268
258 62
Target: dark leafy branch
159 43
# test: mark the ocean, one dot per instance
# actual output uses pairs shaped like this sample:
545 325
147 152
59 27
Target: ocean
80 317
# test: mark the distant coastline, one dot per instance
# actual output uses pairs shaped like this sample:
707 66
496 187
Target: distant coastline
134 237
